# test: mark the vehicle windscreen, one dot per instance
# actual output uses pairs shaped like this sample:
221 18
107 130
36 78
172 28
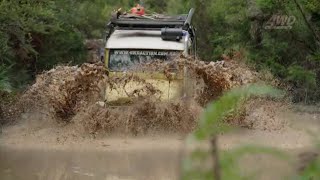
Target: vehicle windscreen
129 60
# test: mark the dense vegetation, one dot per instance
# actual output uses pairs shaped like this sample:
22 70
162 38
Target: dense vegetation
36 35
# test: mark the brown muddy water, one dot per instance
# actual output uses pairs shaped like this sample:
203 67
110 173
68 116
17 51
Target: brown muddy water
85 165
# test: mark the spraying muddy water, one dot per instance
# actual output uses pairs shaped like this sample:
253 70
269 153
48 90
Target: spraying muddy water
74 95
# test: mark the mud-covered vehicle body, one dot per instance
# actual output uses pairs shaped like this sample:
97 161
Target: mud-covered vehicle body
136 41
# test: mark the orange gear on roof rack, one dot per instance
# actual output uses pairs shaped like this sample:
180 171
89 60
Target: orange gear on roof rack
138 10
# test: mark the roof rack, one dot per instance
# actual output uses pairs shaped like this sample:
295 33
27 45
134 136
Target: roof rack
156 21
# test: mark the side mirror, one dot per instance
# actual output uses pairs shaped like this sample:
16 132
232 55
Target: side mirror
102 54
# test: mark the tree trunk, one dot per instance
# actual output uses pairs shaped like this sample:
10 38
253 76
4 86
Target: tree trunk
215 156
257 19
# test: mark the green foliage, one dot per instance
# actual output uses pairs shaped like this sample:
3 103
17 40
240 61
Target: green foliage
34 37
90 17
301 76
211 124
221 25
312 5
230 160
178 6
5 51
156 6
4 80
312 171
315 57
228 26
286 52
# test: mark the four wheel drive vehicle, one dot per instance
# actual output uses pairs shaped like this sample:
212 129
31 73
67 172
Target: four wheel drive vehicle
138 40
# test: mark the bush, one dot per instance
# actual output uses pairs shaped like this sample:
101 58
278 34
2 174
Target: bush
4 80
34 38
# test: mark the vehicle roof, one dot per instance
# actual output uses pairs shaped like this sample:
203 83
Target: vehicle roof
142 39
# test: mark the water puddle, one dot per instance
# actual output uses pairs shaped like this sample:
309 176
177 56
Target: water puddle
86 165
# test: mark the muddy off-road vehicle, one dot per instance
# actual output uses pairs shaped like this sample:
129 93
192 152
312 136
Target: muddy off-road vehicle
137 40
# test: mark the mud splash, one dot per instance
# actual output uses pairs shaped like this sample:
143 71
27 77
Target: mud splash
144 117
218 77
63 91
75 95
